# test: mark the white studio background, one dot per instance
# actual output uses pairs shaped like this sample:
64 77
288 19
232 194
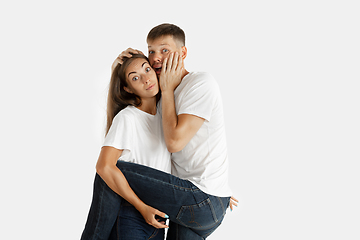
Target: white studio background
289 76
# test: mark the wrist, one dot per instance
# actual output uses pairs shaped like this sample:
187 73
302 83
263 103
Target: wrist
167 92
139 205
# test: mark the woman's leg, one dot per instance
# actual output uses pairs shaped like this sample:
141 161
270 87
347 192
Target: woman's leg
180 199
103 212
132 226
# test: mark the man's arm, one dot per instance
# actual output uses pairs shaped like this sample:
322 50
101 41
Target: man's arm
178 130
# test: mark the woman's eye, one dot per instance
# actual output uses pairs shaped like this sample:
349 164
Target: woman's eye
151 52
147 69
165 50
135 78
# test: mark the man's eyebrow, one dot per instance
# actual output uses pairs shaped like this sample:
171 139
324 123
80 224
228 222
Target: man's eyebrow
142 65
164 44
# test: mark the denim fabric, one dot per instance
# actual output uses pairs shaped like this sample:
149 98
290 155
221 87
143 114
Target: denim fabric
130 225
185 204
103 212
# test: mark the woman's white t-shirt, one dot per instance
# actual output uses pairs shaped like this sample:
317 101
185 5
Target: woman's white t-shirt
140 136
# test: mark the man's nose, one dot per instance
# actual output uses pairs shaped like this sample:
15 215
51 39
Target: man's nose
157 57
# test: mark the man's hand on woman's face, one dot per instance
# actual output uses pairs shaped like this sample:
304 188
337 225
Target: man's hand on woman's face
125 54
171 72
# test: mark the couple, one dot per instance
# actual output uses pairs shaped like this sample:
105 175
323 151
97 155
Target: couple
134 192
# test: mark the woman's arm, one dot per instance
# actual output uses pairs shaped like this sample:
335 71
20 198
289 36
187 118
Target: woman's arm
115 179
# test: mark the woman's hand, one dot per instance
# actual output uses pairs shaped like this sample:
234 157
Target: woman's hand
171 72
149 214
125 54
233 202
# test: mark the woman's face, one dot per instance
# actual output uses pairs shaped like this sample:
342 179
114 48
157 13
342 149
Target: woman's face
141 79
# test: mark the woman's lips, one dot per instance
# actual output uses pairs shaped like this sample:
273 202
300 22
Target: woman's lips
151 87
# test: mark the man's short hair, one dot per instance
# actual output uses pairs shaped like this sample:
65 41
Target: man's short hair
167 29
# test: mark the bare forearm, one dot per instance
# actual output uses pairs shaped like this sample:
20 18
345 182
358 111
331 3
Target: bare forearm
116 180
169 117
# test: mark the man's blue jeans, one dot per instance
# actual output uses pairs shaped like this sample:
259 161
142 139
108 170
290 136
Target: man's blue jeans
191 211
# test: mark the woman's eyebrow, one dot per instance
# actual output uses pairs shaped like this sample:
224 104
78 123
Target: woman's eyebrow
135 72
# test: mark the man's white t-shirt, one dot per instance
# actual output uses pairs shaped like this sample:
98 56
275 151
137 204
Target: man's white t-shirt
204 160
140 136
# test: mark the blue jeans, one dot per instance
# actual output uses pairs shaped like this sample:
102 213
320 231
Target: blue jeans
191 211
130 225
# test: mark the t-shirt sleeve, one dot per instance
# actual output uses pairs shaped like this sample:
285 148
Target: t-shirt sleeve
200 97
120 134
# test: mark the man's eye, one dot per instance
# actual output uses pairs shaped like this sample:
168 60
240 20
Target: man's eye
151 52
135 78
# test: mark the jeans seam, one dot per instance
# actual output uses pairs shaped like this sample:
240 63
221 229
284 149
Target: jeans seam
117 225
222 206
213 211
156 231
99 211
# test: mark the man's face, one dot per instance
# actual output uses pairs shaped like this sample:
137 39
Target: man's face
159 49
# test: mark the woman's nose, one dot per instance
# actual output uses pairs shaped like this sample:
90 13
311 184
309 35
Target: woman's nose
146 79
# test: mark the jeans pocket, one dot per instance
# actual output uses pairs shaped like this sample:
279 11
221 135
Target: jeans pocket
198 216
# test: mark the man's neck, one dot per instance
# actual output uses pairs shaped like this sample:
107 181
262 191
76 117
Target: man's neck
184 73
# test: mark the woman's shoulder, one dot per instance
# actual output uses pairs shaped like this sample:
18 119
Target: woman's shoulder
127 113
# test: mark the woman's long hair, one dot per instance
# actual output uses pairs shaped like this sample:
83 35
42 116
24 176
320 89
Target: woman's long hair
118 98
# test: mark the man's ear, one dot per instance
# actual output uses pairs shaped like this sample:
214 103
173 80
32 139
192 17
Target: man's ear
128 90
183 52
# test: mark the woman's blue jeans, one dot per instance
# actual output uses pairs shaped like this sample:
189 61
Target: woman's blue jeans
130 225
193 213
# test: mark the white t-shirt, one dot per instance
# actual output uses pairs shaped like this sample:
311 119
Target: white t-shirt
140 136
204 160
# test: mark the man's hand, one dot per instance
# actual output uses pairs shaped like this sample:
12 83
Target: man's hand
125 54
149 214
233 202
171 72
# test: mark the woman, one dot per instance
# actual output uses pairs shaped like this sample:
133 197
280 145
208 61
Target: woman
134 133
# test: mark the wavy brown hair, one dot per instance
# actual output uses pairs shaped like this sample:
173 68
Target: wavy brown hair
118 98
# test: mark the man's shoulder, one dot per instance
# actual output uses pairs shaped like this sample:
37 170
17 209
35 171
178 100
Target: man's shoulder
200 78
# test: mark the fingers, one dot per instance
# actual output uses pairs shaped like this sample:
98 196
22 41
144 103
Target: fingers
163 69
133 51
127 54
175 61
180 64
233 202
161 214
157 224
170 62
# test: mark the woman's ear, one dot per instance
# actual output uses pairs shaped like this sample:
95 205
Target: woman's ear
128 90
183 52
